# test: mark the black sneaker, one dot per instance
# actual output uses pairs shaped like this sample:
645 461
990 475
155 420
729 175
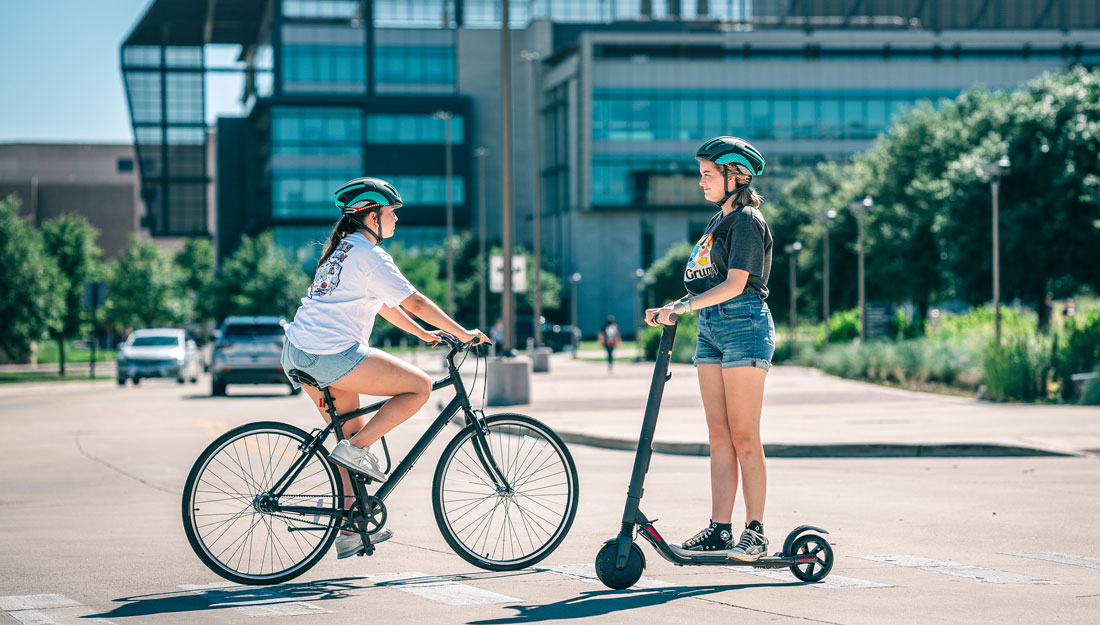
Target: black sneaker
751 546
715 537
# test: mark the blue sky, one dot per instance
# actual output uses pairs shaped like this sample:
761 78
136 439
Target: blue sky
59 70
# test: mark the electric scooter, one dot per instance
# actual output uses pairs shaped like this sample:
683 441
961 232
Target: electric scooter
620 562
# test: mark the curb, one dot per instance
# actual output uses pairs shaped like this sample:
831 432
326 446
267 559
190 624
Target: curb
831 450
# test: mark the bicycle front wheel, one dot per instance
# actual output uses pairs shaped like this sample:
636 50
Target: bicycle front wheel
506 529
229 525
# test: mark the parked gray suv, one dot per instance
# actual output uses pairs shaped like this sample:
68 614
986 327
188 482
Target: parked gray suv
248 351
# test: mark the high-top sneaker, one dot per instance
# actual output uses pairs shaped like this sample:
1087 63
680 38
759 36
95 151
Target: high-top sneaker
715 537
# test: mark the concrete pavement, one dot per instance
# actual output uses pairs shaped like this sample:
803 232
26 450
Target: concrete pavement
806 414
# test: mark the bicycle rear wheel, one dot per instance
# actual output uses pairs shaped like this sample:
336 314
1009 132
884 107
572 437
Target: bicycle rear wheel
228 529
505 531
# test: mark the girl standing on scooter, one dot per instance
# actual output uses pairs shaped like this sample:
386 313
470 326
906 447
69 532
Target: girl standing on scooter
726 279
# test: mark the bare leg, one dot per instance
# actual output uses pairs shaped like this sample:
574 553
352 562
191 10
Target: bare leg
723 458
744 389
381 374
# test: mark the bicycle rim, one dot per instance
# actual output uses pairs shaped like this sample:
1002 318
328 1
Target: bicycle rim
230 535
506 530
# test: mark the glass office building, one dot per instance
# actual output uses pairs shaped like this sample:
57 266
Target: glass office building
621 94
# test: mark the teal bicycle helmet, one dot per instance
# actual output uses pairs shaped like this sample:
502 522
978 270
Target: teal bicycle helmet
360 197
736 153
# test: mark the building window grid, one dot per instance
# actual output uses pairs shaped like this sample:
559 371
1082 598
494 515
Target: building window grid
653 116
415 65
317 65
412 129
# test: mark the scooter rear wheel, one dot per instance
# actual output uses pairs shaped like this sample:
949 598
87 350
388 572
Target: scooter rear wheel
812 546
625 577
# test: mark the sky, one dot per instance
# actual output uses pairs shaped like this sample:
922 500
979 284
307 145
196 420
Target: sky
59 71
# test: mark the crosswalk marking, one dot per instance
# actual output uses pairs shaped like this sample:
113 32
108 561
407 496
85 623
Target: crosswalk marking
251 600
28 609
587 574
1061 558
35 602
956 569
831 581
438 589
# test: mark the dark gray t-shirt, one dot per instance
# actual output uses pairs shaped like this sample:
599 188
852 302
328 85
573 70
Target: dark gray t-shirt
739 240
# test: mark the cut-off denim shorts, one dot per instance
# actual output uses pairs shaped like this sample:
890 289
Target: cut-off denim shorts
325 368
736 333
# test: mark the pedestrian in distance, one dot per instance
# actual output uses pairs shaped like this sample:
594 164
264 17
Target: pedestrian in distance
610 337
329 338
726 279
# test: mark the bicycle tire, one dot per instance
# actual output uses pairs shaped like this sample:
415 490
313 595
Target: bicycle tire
218 504
531 455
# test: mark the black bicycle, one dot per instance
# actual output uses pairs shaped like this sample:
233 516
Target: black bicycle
263 504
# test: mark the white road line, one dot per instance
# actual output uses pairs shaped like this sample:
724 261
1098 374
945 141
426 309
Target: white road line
956 569
1062 558
831 581
251 600
438 589
27 609
587 574
35 602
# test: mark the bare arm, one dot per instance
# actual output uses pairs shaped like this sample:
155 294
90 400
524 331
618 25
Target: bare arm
418 304
397 317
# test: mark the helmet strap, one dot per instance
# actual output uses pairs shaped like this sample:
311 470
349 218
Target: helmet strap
726 184
377 237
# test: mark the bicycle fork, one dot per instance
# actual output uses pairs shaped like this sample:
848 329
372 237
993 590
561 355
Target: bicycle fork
484 455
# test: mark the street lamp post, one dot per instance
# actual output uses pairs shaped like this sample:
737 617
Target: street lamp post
574 280
639 273
533 58
482 287
994 170
828 218
448 248
792 250
859 208
507 298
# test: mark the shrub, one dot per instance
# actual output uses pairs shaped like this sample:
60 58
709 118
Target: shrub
1090 395
687 332
1016 369
843 327
1081 351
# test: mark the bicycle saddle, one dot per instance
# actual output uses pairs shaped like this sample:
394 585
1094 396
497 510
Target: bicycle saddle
303 378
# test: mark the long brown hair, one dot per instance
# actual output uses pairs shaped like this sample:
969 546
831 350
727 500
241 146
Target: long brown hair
343 228
748 196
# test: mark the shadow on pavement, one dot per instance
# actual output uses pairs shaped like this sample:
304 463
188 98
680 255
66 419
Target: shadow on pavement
600 602
239 596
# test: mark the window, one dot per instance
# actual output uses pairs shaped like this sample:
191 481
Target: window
125 165
412 129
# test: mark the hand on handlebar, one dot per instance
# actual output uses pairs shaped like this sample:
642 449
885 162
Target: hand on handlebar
433 337
475 337
665 315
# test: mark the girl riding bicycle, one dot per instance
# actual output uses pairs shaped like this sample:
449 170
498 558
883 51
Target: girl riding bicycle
329 338
726 279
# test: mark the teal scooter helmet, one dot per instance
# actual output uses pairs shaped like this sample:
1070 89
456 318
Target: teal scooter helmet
736 153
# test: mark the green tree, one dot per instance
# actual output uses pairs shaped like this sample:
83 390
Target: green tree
195 269
70 239
1049 203
31 301
141 291
259 280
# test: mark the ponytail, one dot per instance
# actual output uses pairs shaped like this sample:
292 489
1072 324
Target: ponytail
343 228
748 196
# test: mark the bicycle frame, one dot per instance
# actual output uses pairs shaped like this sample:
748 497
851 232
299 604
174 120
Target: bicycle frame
460 403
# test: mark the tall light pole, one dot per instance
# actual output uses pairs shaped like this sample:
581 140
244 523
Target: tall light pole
859 208
574 280
792 250
639 273
533 58
994 170
828 218
482 286
448 247
507 299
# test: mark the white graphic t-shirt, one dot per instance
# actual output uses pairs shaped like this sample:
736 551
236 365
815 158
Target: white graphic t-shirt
347 292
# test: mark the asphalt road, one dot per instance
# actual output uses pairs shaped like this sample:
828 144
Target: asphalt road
90 532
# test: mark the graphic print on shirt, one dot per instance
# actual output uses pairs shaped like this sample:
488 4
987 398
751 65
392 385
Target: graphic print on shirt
699 264
328 276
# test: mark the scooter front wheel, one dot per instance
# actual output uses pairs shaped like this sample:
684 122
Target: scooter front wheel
616 578
813 558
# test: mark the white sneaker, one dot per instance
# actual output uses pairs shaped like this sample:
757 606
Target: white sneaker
348 545
751 546
357 459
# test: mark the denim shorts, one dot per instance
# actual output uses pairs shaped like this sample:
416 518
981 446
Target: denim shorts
736 333
325 368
